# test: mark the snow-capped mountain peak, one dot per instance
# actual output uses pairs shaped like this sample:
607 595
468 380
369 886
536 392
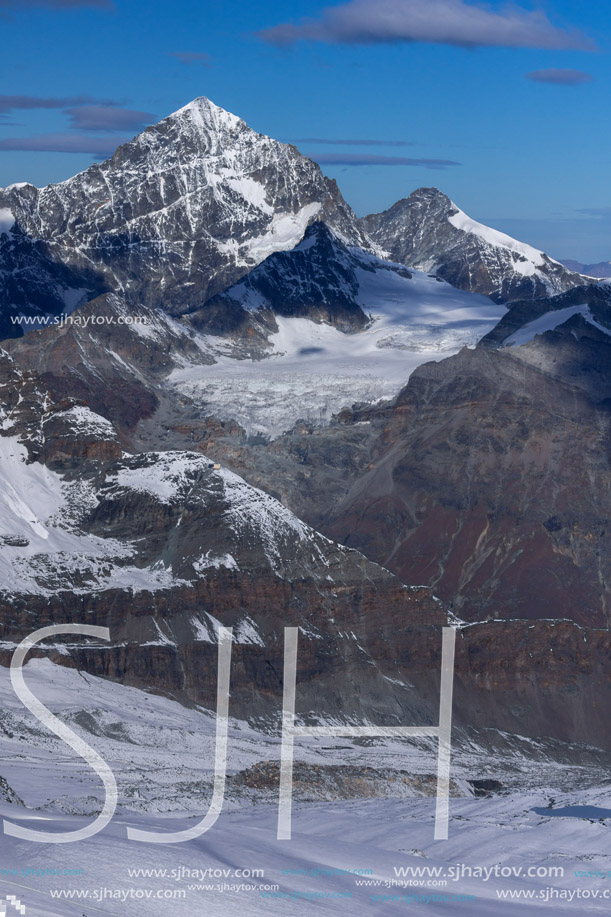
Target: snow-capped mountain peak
175 216
205 112
428 232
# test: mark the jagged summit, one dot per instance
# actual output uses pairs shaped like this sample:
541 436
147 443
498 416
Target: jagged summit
428 232
432 200
203 123
204 108
175 216
422 194
187 208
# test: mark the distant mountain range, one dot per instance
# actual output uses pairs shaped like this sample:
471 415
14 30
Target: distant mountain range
600 269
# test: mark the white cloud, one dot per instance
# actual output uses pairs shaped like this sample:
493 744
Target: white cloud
451 22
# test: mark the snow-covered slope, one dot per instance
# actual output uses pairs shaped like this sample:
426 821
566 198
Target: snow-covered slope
359 857
139 732
429 232
529 259
343 325
307 332
175 216
551 320
375 846
40 551
54 533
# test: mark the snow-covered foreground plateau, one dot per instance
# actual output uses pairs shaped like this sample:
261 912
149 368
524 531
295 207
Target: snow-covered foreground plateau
355 857
505 853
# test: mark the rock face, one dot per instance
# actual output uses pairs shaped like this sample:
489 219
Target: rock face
162 548
494 486
169 549
487 479
318 279
175 216
428 232
111 356
32 281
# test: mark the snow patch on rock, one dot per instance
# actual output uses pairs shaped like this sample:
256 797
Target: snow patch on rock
7 221
549 321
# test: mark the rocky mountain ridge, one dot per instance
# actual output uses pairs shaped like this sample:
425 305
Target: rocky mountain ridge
428 232
187 209
525 319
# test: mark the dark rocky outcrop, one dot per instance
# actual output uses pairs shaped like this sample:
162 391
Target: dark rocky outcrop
317 280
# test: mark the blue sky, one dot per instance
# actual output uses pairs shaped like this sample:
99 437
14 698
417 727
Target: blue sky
505 108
